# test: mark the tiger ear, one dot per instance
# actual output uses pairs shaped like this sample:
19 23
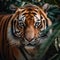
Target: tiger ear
18 11
46 7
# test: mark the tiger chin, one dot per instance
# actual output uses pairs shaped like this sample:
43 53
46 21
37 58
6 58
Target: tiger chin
21 33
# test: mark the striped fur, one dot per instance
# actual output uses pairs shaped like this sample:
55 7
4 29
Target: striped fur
10 45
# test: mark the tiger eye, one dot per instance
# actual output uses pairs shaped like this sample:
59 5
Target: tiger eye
37 24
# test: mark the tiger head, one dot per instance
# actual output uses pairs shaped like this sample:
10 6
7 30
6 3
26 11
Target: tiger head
26 26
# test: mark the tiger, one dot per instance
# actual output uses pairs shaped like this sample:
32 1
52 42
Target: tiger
20 32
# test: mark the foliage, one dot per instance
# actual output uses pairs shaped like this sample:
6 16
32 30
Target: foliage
45 46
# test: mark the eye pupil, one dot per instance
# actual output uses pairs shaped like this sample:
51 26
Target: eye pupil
21 24
37 24
41 17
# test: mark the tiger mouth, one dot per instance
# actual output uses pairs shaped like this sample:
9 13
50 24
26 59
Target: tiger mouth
34 42
37 41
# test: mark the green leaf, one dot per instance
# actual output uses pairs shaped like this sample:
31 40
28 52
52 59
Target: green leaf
44 47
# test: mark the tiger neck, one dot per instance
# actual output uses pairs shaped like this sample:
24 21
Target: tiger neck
31 50
29 53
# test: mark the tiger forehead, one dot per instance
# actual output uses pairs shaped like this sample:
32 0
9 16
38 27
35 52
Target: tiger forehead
30 10
29 14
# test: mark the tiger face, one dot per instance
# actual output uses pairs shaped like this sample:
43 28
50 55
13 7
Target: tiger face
30 23
26 26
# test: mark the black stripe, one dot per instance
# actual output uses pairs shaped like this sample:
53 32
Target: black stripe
3 36
23 11
12 23
22 51
36 11
13 55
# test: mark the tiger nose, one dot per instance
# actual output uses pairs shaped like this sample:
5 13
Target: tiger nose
29 39
29 33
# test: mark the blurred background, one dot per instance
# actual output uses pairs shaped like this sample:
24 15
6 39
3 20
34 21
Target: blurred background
8 5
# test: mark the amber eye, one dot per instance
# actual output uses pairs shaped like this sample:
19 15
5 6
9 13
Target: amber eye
37 23
21 21
21 24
